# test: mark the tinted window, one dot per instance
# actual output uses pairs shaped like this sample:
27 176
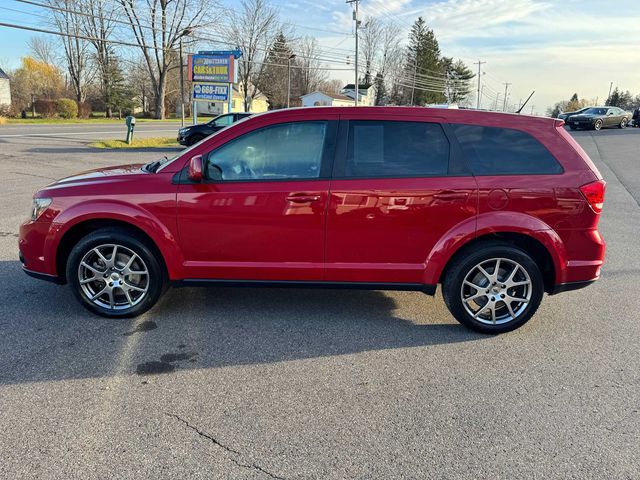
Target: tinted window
224 120
504 151
396 149
284 151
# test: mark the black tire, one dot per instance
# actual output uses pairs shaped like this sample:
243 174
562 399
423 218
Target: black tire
127 242
623 123
193 139
597 125
465 264
572 127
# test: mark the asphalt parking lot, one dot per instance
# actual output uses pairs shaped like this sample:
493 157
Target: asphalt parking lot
322 384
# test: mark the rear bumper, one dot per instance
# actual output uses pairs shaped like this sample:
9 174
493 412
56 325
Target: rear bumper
567 287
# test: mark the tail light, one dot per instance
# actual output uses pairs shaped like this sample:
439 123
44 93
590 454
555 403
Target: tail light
594 193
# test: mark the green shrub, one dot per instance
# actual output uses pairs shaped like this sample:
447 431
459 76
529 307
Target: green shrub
67 108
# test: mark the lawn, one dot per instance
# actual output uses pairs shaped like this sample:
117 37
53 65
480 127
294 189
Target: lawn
137 143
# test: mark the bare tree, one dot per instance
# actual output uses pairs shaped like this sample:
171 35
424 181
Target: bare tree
67 18
331 86
157 27
98 24
390 63
43 49
309 72
253 29
370 40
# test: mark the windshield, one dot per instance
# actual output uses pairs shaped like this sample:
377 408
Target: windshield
596 111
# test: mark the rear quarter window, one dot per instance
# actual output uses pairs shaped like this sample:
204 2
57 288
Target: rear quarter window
504 151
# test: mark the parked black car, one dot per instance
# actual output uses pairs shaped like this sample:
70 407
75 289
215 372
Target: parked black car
599 117
193 134
565 115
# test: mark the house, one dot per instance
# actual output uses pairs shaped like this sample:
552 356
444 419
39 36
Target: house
5 89
259 104
366 93
323 99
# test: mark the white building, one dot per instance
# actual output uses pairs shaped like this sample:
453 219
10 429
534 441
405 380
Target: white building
366 93
5 89
322 99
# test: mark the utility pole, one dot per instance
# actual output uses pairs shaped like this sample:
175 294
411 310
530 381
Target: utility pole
506 90
532 107
610 87
479 63
355 18
291 57
415 70
181 86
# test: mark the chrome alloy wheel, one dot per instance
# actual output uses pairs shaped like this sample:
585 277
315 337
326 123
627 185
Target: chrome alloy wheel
113 277
496 291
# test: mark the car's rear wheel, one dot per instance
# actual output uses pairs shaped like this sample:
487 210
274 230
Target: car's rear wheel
494 288
623 123
193 139
115 273
597 125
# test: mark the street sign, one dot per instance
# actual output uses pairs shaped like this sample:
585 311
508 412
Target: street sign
211 92
211 68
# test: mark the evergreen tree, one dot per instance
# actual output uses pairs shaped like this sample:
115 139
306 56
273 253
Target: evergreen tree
458 80
117 96
381 91
274 80
574 98
423 58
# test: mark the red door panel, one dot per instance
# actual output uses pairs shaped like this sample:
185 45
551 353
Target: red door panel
253 230
382 230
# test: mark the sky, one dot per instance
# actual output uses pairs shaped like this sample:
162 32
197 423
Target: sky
556 48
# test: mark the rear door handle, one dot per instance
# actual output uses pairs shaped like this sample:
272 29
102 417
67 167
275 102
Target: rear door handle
449 195
303 197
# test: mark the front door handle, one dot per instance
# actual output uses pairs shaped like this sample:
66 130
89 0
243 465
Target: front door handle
303 197
451 195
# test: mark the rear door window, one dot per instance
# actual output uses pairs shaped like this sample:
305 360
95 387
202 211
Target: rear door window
396 149
504 151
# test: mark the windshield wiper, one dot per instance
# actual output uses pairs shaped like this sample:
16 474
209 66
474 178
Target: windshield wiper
152 167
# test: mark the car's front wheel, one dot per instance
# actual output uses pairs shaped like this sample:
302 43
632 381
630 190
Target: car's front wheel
494 288
597 125
115 273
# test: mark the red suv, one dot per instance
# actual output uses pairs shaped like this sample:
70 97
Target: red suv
497 208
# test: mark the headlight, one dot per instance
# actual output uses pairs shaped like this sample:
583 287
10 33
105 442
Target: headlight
39 206
182 131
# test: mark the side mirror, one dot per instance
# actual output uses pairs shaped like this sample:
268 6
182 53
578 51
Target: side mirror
195 169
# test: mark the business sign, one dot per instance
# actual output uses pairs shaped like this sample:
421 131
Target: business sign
212 68
211 92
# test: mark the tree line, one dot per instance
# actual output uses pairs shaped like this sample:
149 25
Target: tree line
117 55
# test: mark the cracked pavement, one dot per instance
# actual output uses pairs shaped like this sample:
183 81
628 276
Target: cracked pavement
237 383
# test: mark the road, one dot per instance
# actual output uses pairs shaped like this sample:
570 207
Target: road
274 383
87 132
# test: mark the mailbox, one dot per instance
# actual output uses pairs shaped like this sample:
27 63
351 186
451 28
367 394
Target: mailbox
130 120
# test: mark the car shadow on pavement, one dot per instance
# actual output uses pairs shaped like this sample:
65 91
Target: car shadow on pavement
45 335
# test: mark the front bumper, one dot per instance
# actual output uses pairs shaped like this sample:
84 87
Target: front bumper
580 123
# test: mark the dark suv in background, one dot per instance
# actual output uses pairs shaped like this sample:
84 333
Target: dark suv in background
191 135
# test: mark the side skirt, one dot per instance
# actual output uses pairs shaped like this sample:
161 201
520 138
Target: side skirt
414 287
